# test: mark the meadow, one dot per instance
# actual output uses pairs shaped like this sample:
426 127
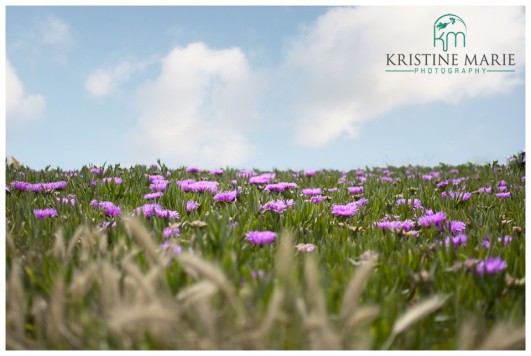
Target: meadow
153 257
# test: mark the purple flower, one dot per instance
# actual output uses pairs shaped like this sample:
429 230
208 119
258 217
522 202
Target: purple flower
442 184
21 185
96 170
71 199
355 190
159 185
506 239
155 209
457 226
503 195
93 183
200 186
155 178
155 195
462 196
45 213
276 205
332 190
309 173
310 191
485 189
316 199
191 205
245 173
344 210
171 231
107 207
456 241
491 265
415 202
502 183
115 180
486 242
261 237
226 197
279 187
502 188
308 248
217 172
386 179
262 179
192 169
427 177
359 203
177 249
107 224
395 225
431 218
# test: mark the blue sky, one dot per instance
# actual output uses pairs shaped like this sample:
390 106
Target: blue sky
255 87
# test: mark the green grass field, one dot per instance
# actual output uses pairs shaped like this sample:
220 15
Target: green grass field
410 281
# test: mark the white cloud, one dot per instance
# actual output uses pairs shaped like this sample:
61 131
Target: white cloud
21 107
198 109
339 64
55 31
105 81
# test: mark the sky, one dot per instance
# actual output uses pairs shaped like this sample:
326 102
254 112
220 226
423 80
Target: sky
301 87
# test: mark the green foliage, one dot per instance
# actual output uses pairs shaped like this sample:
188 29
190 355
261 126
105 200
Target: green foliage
74 285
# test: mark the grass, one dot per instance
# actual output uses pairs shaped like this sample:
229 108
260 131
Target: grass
74 285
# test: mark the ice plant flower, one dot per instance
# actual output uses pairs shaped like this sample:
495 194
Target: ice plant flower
279 187
155 209
226 197
491 265
159 185
171 231
355 190
199 187
457 226
261 237
311 191
192 169
307 248
344 210
174 248
503 195
191 205
107 207
442 184
462 196
309 173
262 179
276 205
485 189
217 172
107 224
45 213
96 170
155 195
115 180
431 218
415 203
70 199
316 199
456 241
395 225
332 190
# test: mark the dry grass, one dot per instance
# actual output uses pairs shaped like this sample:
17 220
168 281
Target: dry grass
126 305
